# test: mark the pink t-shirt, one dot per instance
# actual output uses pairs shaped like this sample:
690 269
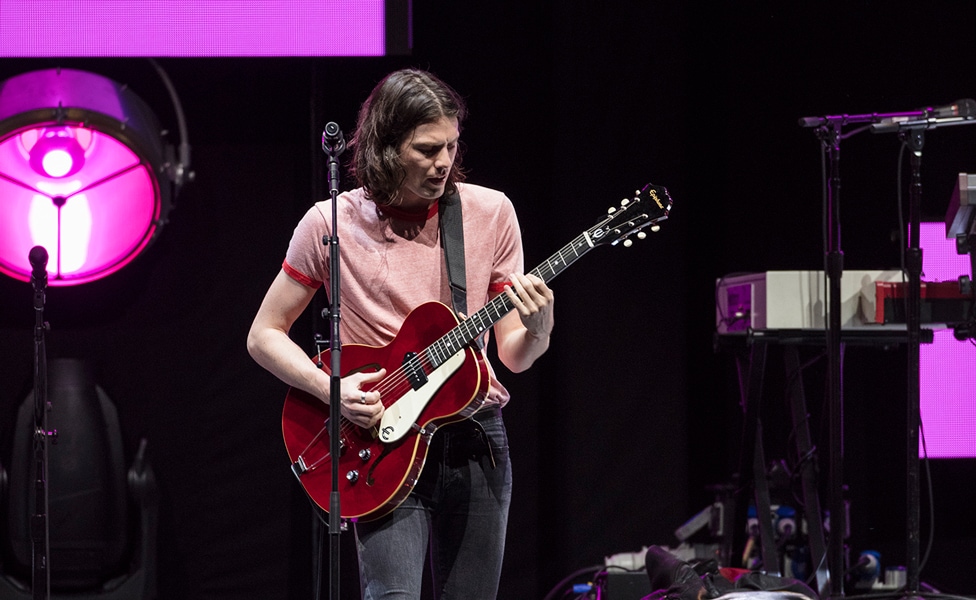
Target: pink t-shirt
392 262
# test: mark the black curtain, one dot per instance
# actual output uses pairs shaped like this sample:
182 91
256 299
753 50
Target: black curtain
618 430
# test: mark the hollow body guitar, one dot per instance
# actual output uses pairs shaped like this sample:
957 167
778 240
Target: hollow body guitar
435 376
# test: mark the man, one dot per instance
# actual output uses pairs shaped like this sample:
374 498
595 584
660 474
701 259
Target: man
407 159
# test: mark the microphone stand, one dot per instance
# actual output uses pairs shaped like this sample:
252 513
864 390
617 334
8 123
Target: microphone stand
914 139
828 131
829 135
912 133
910 126
39 523
333 145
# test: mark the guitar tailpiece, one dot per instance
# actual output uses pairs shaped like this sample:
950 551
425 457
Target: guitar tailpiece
298 468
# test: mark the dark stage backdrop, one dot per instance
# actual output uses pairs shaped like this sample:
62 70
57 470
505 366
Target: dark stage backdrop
618 430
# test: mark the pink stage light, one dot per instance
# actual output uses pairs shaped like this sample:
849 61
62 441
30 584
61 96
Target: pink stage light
947 390
204 28
79 158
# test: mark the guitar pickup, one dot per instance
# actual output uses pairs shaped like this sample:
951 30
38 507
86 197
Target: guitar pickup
414 371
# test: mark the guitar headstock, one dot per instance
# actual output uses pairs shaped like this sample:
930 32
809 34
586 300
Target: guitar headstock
650 205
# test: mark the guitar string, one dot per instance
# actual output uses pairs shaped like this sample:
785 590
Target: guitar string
501 306
393 384
395 380
423 361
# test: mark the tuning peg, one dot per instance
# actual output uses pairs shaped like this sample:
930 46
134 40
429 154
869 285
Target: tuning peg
611 210
655 228
624 202
641 235
628 243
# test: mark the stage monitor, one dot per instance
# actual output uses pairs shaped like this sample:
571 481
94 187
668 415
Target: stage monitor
204 28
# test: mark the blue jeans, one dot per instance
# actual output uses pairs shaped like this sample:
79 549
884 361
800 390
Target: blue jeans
459 510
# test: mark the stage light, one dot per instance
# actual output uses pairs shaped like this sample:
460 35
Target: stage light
84 172
55 151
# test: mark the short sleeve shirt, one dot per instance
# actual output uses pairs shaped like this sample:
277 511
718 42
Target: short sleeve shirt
391 261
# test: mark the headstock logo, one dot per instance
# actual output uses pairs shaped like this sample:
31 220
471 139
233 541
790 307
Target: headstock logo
657 200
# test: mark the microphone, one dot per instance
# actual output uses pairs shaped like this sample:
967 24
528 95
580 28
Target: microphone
333 144
38 261
959 108
958 112
332 140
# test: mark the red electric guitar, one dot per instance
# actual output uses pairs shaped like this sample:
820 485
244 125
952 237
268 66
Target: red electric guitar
435 376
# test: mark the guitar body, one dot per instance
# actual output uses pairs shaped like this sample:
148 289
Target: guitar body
376 476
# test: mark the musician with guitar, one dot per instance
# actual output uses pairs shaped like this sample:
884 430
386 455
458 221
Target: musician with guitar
424 452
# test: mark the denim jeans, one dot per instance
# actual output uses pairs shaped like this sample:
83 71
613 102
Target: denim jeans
458 510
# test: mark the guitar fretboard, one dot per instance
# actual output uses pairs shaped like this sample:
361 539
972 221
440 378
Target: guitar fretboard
468 330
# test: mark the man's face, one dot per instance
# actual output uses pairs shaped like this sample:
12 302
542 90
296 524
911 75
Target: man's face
427 156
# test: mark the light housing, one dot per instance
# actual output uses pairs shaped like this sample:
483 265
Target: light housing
83 173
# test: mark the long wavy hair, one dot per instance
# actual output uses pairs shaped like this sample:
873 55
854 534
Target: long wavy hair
400 102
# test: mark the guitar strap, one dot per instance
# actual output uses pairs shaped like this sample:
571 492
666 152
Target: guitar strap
452 239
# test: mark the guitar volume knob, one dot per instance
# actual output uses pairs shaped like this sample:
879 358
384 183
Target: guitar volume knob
365 454
352 476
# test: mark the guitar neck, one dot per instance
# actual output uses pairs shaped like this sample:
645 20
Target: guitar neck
472 327
634 215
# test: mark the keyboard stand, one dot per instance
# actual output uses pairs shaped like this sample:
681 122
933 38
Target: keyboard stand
751 349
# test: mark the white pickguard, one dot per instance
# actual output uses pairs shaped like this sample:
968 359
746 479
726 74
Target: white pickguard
400 417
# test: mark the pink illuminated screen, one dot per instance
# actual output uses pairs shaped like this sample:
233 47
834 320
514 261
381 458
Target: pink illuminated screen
947 392
93 212
37 28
